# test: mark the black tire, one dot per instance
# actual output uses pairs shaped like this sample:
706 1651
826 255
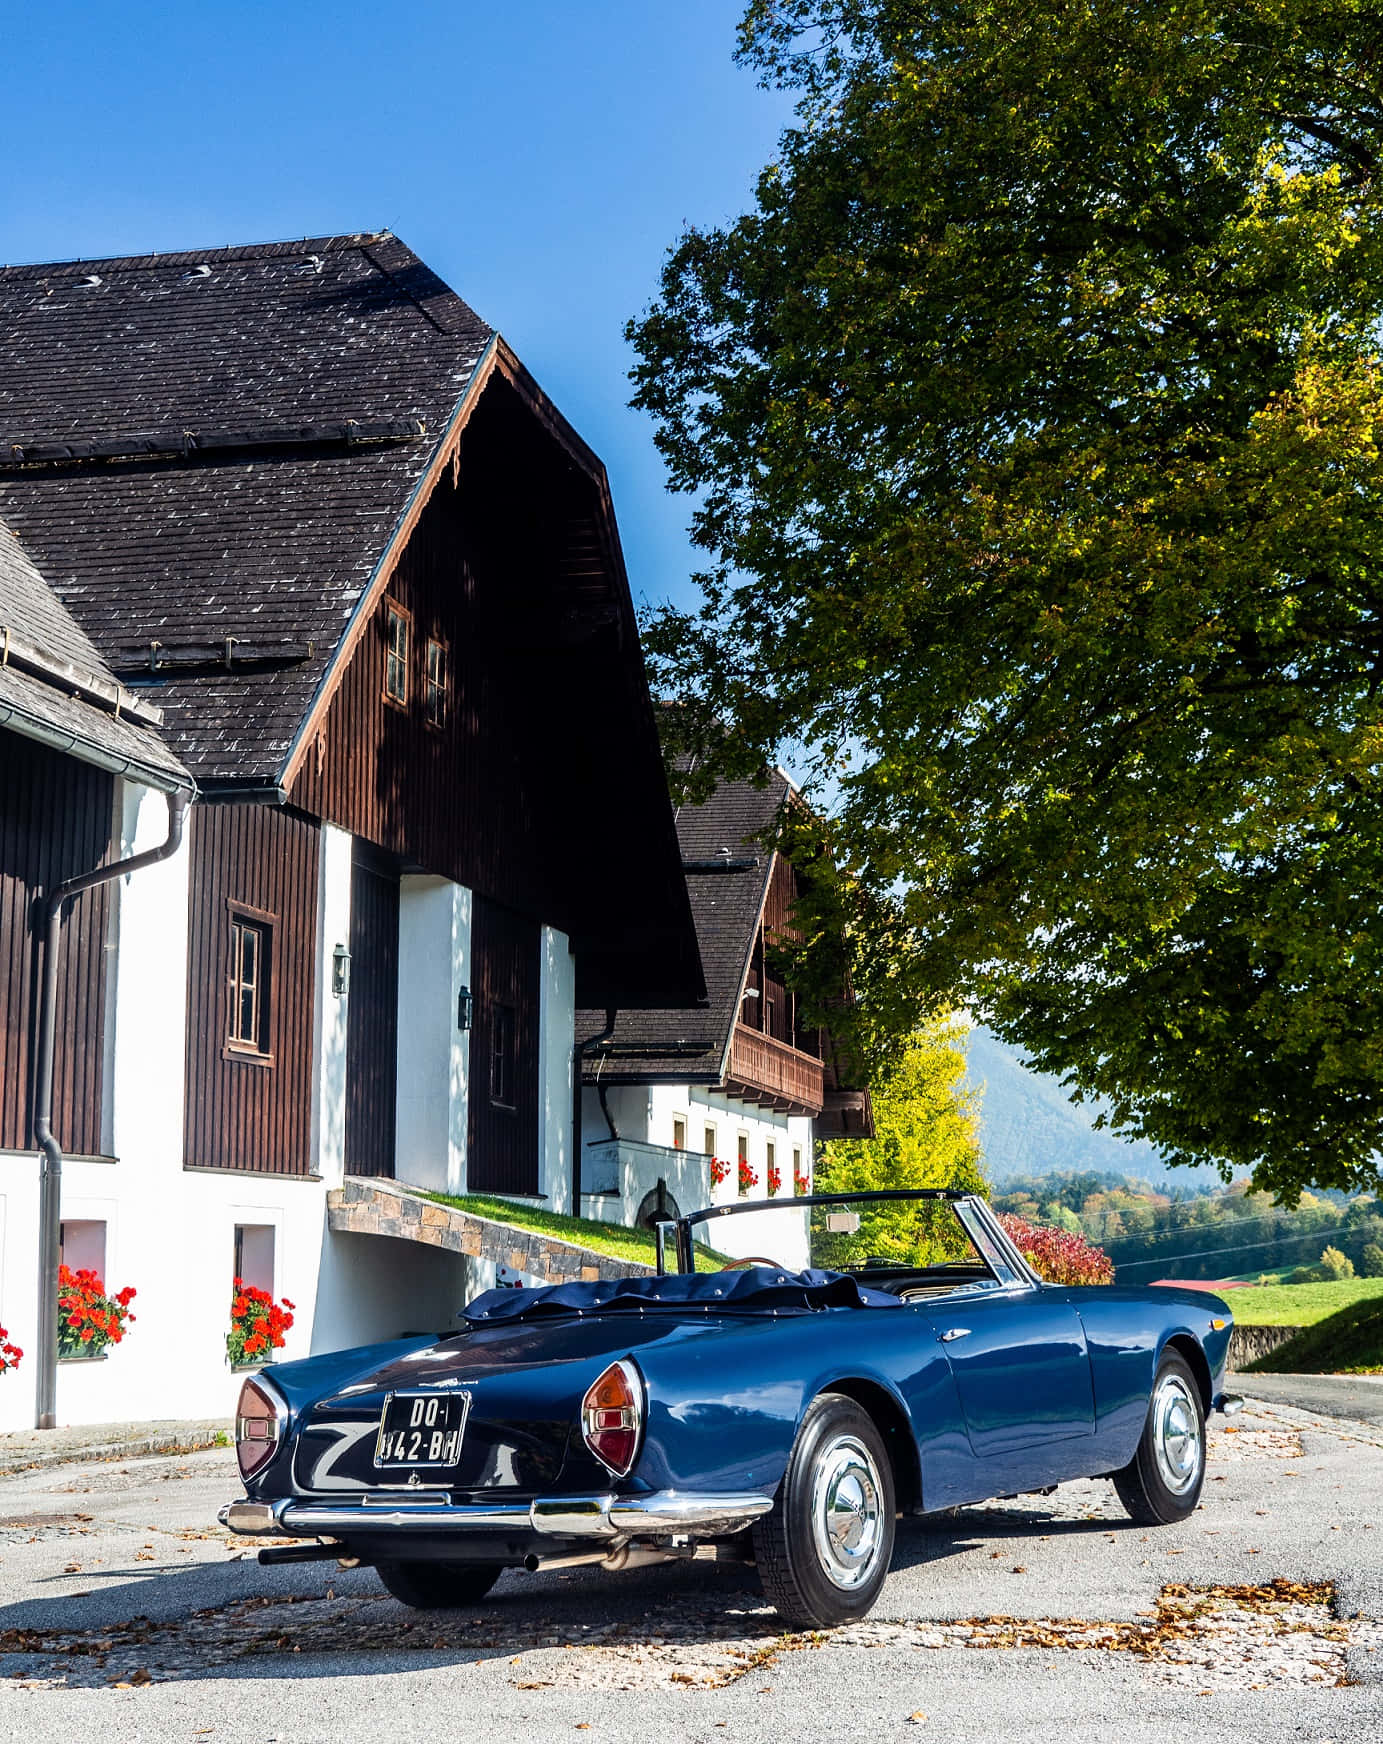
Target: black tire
1162 1483
824 1550
438 1586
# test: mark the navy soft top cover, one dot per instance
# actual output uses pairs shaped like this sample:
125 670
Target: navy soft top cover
757 1287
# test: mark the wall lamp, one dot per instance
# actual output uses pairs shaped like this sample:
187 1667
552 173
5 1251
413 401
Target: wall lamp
465 1008
340 971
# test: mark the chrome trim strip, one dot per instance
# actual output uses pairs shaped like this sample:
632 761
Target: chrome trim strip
667 1511
603 1516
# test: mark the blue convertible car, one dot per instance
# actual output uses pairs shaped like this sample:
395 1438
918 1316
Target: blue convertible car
777 1417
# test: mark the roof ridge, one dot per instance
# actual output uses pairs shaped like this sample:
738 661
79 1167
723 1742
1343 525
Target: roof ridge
272 250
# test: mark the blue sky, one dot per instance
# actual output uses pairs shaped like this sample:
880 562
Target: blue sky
540 156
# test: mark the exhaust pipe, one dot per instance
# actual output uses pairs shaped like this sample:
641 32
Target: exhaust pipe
627 1556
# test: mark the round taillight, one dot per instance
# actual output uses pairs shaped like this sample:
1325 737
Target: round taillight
612 1416
257 1429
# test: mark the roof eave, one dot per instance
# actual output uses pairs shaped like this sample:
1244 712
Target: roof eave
88 749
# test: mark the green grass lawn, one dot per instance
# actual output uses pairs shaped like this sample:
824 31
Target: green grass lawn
606 1238
1299 1304
1349 1342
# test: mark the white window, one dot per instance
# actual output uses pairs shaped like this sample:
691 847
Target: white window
82 1245
679 1132
708 1140
254 1255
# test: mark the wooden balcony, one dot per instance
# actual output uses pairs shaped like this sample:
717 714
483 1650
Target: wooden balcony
772 1073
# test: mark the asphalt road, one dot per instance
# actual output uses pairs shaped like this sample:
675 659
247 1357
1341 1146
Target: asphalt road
114 1574
1356 1396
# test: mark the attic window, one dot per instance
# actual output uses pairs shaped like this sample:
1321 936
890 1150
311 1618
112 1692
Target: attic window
435 684
397 629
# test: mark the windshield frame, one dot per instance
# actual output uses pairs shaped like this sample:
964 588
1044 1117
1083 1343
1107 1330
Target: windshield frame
989 1237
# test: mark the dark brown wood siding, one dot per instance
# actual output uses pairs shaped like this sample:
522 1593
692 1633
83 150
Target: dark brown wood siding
502 1153
549 738
456 800
56 820
241 1113
373 1017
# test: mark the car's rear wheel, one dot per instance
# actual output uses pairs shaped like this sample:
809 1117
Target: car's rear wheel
824 1550
438 1586
1161 1484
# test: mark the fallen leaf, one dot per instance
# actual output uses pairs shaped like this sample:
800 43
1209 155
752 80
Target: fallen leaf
918 1718
542 1683
1019 1568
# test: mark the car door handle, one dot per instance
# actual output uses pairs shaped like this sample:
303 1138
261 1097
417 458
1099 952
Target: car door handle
954 1333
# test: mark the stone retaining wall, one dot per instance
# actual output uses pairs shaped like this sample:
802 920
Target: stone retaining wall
370 1207
1248 1342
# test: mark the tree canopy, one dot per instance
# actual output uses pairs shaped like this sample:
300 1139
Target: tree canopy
1031 417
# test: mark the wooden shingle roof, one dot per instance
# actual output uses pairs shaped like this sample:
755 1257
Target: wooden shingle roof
220 445
55 687
727 870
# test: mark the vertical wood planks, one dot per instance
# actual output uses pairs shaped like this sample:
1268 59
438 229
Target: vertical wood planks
242 1113
56 817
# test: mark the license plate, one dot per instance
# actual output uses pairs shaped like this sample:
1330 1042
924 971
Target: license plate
421 1429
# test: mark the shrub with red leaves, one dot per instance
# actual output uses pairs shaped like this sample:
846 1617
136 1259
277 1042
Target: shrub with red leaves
258 1323
9 1353
89 1319
1058 1255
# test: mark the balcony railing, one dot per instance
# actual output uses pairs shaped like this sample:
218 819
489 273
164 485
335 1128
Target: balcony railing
768 1071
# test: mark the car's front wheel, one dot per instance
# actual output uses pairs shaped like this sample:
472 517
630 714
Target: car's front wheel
1161 1484
438 1586
824 1550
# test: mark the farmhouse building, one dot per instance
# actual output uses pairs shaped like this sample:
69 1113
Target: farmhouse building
686 1107
324 550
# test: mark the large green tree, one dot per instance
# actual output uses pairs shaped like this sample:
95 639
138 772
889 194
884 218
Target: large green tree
1032 419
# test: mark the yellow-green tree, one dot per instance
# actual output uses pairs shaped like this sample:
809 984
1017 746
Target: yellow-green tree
926 1135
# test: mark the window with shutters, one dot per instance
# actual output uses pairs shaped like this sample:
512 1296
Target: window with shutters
249 985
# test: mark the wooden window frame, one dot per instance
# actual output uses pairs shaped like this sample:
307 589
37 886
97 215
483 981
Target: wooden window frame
709 1131
679 1121
392 608
239 915
438 688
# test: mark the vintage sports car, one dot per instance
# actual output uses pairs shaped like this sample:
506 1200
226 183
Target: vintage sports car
779 1417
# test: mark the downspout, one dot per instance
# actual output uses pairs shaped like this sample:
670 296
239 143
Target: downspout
50 1175
578 1051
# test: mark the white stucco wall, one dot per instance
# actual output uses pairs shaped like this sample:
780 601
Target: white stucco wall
170 1231
331 1011
433 1052
617 1179
556 1040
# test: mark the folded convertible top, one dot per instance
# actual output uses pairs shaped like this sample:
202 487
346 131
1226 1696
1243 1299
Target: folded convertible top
763 1288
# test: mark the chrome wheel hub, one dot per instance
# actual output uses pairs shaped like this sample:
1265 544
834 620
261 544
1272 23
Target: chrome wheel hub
847 1524
1177 1439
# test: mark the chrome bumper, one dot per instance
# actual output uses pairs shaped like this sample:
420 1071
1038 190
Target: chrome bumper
605 1517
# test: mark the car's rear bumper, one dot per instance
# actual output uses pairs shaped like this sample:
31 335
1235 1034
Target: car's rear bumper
663 1513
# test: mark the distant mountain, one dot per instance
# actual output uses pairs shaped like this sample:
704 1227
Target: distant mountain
1030 1126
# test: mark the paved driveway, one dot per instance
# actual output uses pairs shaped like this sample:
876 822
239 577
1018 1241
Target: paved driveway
127 1614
